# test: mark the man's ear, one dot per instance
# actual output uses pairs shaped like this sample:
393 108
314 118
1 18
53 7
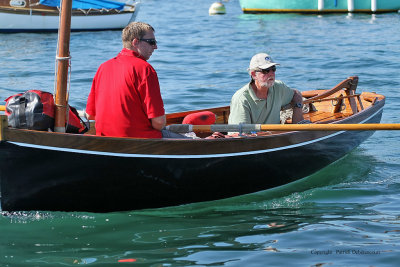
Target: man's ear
135 42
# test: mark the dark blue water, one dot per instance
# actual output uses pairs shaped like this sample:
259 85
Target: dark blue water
345 215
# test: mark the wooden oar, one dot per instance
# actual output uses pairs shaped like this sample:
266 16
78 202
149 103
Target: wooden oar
185 128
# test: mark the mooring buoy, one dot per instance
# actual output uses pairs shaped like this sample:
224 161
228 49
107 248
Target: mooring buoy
217 8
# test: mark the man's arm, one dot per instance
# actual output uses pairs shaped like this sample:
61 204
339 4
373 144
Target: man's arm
297 104
159 122
89 117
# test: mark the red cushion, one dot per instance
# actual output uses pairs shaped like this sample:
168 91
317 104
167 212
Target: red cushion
200 118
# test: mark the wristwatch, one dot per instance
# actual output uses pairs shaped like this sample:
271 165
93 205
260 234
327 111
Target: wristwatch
297 105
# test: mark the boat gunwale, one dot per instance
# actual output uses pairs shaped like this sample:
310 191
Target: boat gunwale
175 148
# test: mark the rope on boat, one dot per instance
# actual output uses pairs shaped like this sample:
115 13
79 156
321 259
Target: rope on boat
63 58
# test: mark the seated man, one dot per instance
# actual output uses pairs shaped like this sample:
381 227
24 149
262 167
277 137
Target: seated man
260 101
125 98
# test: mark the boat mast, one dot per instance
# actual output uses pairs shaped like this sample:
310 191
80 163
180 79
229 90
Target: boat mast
62 65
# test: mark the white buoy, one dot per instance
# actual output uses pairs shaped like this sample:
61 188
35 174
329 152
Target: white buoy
217 8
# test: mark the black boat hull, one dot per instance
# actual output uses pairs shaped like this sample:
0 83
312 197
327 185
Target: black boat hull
39 178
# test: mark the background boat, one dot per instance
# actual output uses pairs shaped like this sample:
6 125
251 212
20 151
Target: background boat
319 6
43 15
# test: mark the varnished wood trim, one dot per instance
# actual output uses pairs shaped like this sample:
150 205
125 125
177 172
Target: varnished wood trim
3 126
172 148
347 84
371 97
222 114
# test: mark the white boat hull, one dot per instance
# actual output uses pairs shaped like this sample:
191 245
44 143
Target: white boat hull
17 23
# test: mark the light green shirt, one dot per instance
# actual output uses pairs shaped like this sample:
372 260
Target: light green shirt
247 108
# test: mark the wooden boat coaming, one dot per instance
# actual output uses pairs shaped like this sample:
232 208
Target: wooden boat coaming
138 147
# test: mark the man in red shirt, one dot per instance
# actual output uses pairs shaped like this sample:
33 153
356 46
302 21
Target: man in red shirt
125 97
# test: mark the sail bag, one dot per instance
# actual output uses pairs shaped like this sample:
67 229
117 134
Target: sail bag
35 109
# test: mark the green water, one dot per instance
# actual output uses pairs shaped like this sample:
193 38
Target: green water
345 215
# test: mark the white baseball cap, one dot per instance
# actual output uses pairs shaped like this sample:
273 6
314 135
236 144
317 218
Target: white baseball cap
261 61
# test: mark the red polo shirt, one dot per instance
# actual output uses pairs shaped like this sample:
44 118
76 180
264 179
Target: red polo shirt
125 95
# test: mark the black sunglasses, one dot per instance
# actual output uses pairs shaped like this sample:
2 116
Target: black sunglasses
149 41
266 71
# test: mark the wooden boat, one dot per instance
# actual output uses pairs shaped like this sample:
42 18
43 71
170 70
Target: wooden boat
39 16
319 6
70 172
57 171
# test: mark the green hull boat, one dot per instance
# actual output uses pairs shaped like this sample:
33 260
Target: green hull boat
319 6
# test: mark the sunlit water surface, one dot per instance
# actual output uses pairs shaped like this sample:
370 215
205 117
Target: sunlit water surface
345 215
